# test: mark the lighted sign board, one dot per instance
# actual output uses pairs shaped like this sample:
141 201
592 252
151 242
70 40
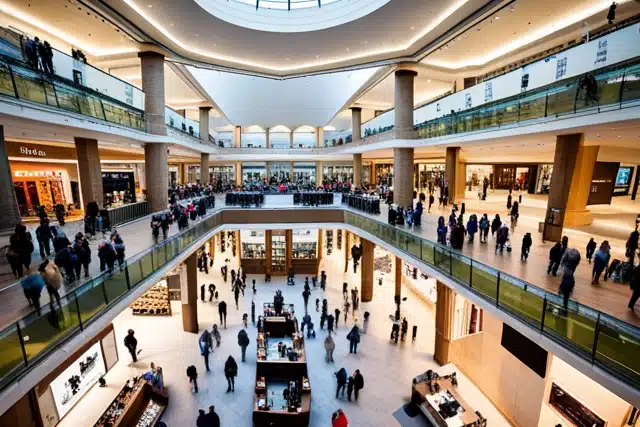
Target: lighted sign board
572 409
77 379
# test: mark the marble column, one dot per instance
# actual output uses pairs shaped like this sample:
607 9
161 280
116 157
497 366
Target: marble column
205 177
237 136
156 172
356 124
238 170
451 173
204 124
319 173
445 315
357 169
152 65
290 139
404 100
8 202
190 294
366 271
403 177
319 136
267 138
89 171
398 278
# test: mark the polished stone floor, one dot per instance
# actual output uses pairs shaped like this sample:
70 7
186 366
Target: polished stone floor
387 368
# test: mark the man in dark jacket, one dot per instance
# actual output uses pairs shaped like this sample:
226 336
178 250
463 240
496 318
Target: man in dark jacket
83 252
213 420
107 255
635 287
132 344
243 342
341 377
44 236
358 380
230 372
526 246
355 254
555 255
222 310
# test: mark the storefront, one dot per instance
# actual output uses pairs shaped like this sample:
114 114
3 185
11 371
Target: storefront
515 177
304 173
338 172
122 183
276 251
428 172
279 172
223 174
384 174
543 180
254 172
475 176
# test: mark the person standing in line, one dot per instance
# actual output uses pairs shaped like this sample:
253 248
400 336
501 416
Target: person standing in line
483 225
206 343
600 262
635 287
591 248
329 346
354 338
243 342
222 311
131 343
192 374
341 378
527 241
230 372
358 380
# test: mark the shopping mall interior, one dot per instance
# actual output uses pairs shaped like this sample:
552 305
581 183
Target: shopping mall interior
310 213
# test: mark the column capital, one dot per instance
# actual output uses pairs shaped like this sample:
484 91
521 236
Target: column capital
205 108
150 54
405 72
355 108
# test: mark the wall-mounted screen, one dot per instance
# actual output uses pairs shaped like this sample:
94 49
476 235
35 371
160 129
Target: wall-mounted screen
77 379
573 410
623 181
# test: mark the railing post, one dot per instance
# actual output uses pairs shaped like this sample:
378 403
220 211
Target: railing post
104 113
24 350
450 262
471 273
544 313
104 292
621 91
126 274
594 350
498 290
13 81
546 103
55 94
78 311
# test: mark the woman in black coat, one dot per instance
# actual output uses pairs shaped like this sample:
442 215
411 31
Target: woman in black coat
495 225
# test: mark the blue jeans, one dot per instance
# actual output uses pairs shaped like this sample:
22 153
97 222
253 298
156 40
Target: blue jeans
353 347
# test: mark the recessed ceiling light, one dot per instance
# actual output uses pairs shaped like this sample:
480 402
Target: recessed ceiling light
428 80
197 35
365 42
317 56
347 49
412 28
497 17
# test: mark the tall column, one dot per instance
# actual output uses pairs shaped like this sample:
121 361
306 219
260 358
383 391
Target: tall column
291 171
398 271
320 245
319 136
403 177
573 166
356 124
404 99
90 171
357 169
189 294
347 249
182 170
288 238
8 202
237 136
267 138
290 139
451 172
445 313
156 171
366 271
204 124
238 169
319 173
205 178
268 235
152 65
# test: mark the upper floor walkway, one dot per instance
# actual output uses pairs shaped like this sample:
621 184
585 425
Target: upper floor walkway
597 327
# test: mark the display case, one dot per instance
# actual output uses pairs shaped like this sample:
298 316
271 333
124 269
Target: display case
278 252
154 302
137 404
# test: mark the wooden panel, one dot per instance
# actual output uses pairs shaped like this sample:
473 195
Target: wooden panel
24 413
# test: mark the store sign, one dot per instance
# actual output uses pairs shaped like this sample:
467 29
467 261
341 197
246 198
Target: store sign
77 379
602 183
32 152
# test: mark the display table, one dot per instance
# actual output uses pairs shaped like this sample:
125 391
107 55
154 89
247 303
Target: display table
137 404
362 202
439 400
273 406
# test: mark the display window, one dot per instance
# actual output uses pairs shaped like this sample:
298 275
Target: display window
338 173
476 174
278 251
44 187
279 172
223 174
254 172
253 244
543 181
305 242
119 188
304 173
429 175
384 174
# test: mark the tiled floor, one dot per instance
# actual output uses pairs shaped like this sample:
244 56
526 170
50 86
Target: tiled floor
612 223
386 367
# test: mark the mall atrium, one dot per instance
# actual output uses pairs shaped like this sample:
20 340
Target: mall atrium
366 213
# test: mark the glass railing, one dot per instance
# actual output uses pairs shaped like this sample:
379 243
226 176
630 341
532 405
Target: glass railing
28 341
183 124
617 88
605 341
21 82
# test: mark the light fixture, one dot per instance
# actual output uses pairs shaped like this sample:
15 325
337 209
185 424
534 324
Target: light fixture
497 17
412 28
428 80
317 56
150 6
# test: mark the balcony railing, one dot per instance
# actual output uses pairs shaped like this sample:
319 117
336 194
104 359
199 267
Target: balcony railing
21 82
603 340
617 88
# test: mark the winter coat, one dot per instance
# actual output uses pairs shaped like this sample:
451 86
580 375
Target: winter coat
329 344
484 223
601 259
495 225
230 368
51 276
472 226
527 241
555 253
358 380
243 339
341 376
354 335
568 282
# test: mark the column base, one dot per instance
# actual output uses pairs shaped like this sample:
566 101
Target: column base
441 351
577 218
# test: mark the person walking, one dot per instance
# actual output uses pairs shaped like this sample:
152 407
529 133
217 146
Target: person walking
305 297
337 317
635 287
213 420
243 342
354 338
107 256
330 323
567 284
32 286
236 291
215 333
230 372
442 231
483 225
212 291
206 344
502 237
83 253
329 346
118 245
495 225
358 380
52 279
338 418
341 378
192 374
472 227
222 311
600 262
591 248
131 343
44 236
570 259
350 386
555 254
527 241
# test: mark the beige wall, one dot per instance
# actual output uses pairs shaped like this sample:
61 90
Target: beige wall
598 399
512 387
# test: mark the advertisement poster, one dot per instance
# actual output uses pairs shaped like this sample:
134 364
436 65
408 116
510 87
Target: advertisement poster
77 379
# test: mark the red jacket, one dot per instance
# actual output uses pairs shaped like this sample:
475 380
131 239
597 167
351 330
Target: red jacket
341 421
